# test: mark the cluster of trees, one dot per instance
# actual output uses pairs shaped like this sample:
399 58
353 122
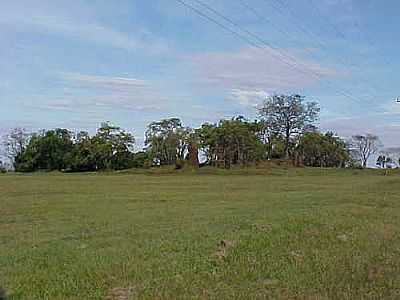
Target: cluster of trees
167 141
285 130
231 142
322 150
389 159
59 149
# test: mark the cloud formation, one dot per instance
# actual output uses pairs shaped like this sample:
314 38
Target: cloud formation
377 124
91 93
249 98
106 81
45 19
254 72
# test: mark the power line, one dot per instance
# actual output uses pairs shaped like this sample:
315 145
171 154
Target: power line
284 7
246 32
327 20
342 35
206 16
238 35
268 21
256 37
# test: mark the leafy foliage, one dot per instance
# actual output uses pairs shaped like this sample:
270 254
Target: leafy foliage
231 142
286 130
288 116
46 150
110 148
167 141
322 150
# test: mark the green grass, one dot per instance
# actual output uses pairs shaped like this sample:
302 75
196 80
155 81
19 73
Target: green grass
289 234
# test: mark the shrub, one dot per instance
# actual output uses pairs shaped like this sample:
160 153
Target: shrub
3 169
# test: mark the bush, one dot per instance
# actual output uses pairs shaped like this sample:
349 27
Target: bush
180 164
3 170
355 164
141 160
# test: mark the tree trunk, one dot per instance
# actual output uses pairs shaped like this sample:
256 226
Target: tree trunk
193 155
364 164
287 147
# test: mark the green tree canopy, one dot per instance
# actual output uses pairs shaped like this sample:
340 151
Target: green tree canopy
46 150
231 142
322 150
167 141
289 116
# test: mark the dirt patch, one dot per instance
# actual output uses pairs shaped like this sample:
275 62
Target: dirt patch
223 248
381 272
297 256
263 227
121 294
384 232
267 283
376 273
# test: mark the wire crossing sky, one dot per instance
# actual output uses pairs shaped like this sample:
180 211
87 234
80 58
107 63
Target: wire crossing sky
75 64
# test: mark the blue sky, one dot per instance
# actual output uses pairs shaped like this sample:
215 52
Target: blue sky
74 64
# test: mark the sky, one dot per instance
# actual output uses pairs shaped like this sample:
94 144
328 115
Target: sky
75 64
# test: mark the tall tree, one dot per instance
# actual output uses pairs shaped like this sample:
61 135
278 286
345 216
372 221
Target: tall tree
231 142
167 141
383 161
363 146
193 149
15 143
47 150
322 150
289 116
273 141
111 148
394 154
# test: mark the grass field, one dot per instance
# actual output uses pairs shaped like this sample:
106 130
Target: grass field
281 234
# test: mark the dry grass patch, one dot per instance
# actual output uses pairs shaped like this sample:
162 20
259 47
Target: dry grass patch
223 249
121 294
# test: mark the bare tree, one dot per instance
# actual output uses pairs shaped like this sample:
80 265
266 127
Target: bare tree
289 115
15 142
363 146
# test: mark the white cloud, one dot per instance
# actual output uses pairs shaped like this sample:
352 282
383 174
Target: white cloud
391 108
47 20
256 70
250 75
369 123
249 98
106 81
94 93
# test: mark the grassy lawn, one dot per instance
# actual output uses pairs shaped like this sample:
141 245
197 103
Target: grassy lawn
283 234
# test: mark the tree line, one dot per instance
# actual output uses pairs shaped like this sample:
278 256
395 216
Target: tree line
286 129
